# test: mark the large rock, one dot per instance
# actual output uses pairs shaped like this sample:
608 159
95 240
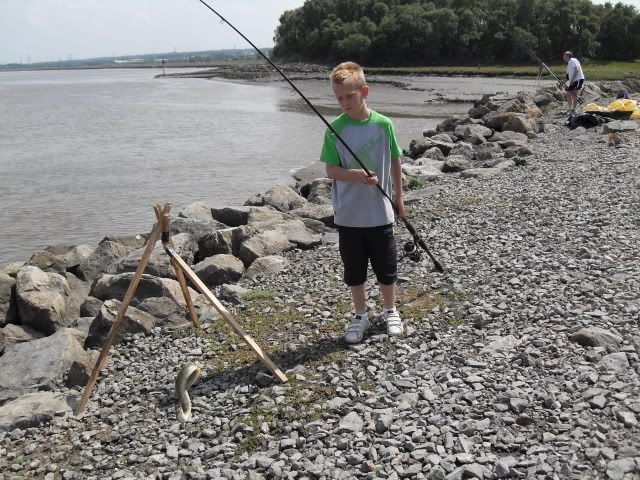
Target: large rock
8 310
434 153
463 149
219 269
299 234
543 99
166 312
237 216
78 292
34 410
322 213
271 242
100 261
226 241
42 299
450 124
19 334
195 227
2 342
60 258
90 307
159 262
621 126
456 164
595 337
135 321
419 147
44 364
265 267
422 171
115 286
487 151
487 172
200 211
320 191
508 135
479 130
281 197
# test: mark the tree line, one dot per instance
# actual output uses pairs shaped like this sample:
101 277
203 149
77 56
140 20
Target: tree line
405 32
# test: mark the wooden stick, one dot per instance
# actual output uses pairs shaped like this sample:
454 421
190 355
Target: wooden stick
233 323
113 333
167 242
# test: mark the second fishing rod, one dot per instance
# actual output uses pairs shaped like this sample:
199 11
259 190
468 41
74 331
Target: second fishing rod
416 237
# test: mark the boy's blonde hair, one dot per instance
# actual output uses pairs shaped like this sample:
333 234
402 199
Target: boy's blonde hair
349 73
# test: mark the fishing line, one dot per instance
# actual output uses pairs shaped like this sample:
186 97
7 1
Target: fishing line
416 238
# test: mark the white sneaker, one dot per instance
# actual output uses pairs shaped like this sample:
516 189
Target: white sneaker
355 331
395 328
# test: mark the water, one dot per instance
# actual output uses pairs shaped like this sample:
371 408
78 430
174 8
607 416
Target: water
87 153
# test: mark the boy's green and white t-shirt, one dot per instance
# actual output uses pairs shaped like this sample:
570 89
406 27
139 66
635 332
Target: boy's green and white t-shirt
374 142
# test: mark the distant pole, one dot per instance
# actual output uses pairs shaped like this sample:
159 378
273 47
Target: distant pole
163 67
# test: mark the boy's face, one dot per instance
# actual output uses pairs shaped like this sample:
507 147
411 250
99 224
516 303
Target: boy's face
566 58
350 98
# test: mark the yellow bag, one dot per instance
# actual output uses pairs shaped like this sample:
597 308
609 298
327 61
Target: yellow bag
635 115
623 105
592 107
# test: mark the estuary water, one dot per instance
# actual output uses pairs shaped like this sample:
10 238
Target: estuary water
85 153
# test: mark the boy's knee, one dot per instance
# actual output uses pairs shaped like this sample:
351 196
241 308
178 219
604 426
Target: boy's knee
387 278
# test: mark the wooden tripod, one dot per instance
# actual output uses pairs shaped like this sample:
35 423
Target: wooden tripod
161 231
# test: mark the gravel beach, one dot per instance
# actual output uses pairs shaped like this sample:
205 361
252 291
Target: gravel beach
521 360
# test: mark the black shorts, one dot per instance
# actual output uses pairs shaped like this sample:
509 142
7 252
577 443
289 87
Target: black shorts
575 85
359 245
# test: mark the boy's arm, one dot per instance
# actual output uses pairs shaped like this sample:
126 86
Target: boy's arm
336 172
396 178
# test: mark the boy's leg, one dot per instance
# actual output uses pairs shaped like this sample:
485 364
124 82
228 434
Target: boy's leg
355 261
381 247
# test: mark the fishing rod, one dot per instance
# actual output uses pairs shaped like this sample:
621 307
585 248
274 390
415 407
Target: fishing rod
416 238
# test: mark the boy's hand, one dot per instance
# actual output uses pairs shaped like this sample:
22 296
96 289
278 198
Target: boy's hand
362 177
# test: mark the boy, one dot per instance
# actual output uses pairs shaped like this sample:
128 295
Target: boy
576 79
363 216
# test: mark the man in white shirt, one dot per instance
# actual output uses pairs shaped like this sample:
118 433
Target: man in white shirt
576 80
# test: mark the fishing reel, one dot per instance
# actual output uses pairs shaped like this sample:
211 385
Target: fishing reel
411 251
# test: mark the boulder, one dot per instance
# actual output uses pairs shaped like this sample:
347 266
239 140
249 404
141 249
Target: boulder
543 99
195 227
429 132
225 241
78 292
265 267
595 337
135 321
486 150
516 122
621 126
418 147
233 293
434 153
165 311
322 213
509 135
115 286
479 111
423 172
100 261
130 242
320 191
200 211
282 197
449 124
237 216
159 262
19 334
487 172
456 164
476 130
8 310
446 137
219 269
2 342
428 162
12 269
463 149
44 364
313 225
518 151
60 258
42 299
299 234
90 307
34 410
266 243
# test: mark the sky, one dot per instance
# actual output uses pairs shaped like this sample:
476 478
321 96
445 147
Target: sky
49 30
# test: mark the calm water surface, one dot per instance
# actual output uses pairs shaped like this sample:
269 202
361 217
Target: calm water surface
87 153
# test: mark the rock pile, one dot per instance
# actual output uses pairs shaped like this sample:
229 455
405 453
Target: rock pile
521 361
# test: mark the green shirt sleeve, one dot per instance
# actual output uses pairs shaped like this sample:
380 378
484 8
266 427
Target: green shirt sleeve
396 151
329 154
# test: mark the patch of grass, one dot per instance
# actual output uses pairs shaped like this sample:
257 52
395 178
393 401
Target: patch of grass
413 183
417 304
258 295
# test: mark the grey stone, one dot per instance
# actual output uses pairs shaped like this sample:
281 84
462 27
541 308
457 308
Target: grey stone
351 423
462 149
233 293
159 263
621 126
60 258
595 337
617 469
197 210
135 321
106 254
165 311
424 172
8 309
322 213
238 216
196 228
90 307
271 242
44 364
456 164
614 361
265 267
219 269
282 197
34 410
42 299
19 333
434 153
